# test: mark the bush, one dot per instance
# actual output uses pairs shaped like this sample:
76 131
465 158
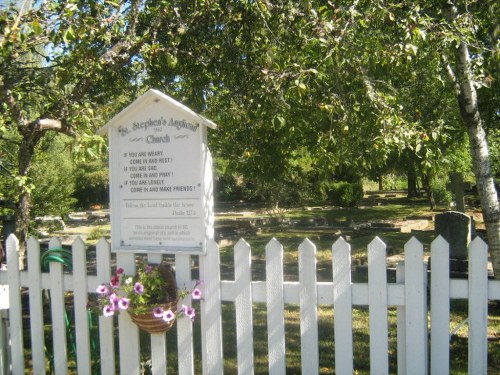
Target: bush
52 174
344 194
441 195
93 184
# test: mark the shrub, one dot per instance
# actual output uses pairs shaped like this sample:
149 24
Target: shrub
441 195
93 184
344 194
53 178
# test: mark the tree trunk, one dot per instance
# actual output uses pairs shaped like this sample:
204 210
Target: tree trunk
426 183
468 104
23 211
412 182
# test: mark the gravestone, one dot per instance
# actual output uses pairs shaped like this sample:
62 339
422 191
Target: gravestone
457 229
161 185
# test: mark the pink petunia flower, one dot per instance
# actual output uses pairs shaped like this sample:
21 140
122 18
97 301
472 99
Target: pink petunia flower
102 289
158 312
119 271
196 294
138 288
190 312
123 303
108 310
168 316
114 299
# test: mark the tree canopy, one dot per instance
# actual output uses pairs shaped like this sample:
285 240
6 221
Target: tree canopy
304 91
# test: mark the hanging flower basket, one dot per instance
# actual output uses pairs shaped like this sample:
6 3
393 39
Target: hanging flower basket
161 318
150 297
151 324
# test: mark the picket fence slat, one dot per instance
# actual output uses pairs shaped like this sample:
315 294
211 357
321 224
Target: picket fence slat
342 305
416 312
478 308
211 312
377 287
60 352
128 332
308 308
243 307
440 303
36 307
15 306
408 294
184 326
82 334
401 323
275 308
158 342
106 329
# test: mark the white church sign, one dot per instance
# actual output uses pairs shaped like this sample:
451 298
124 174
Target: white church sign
160 177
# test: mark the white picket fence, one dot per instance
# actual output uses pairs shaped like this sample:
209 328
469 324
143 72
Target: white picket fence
408 294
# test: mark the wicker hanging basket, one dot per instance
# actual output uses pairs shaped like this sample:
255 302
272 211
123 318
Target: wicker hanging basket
151 324
148 322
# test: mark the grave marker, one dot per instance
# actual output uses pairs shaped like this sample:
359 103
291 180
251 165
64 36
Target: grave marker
457 229
160 177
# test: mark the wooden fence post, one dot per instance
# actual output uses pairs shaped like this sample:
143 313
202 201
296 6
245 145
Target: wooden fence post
82 333
130 362
211 315
478 307
57 309
106 327
243 306
36 306
184 326
377 288
342 305
308 308
15 306
275 308
440 306
416 317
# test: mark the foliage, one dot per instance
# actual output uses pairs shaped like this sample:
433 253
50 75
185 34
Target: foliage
65 66
146 292
344 194
441 194
300 89
494 143
92 183
54 175
97 233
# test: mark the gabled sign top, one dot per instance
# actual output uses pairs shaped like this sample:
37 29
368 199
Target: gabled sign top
149 97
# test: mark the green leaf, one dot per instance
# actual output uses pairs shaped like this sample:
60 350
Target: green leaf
69 35
37 29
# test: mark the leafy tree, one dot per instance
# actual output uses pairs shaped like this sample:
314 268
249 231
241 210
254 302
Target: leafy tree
352 83
60 61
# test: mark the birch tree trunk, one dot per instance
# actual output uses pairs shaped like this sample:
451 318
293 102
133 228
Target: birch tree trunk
468 104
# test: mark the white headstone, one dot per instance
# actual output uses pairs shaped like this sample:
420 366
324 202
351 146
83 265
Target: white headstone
160 177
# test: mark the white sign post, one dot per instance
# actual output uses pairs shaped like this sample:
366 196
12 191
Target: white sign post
161 184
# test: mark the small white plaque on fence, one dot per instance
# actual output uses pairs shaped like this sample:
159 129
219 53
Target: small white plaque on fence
160 177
